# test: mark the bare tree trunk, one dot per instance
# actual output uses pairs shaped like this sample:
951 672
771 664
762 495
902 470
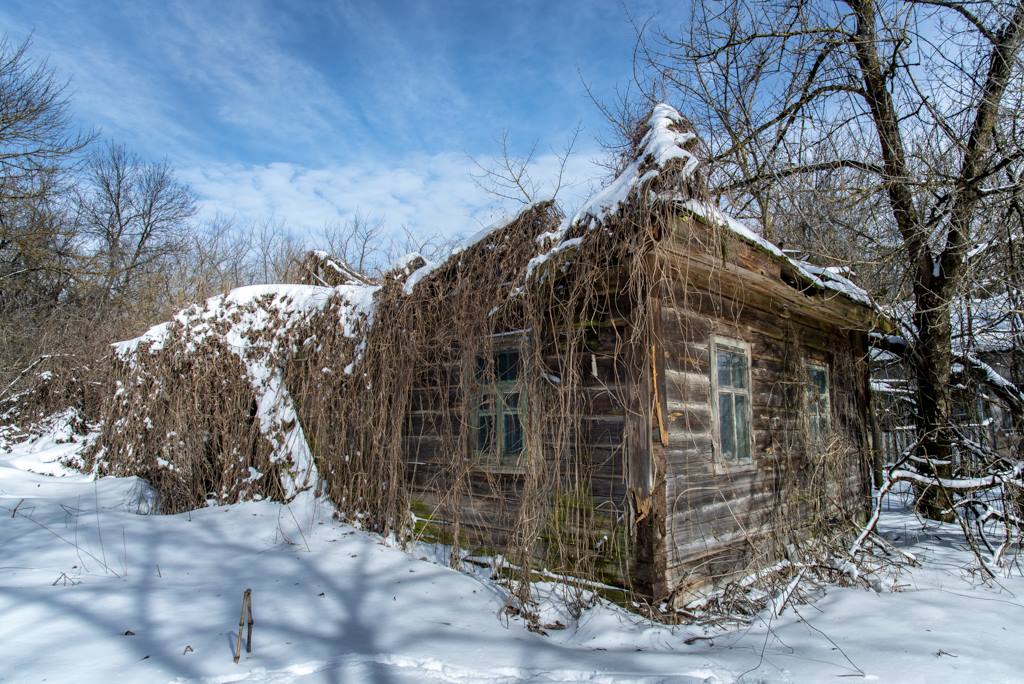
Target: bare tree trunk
916 159
932 363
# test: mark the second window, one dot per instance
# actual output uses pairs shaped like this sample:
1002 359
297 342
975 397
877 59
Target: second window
731 368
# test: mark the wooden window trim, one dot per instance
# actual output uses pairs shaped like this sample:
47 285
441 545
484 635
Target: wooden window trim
721 463
814 364
498 463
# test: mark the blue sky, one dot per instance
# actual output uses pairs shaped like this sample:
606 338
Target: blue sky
312 111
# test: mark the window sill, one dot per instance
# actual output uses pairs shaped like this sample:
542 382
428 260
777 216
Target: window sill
723 467
499 468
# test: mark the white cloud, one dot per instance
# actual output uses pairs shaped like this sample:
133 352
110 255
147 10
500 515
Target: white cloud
430 195
107 88
201 72
234 55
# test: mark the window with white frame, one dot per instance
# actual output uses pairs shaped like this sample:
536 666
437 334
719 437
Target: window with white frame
731 381
819 407
498 428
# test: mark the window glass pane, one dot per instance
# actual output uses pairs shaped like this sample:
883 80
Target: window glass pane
512 401
739 370
724 368
817 404
732 368
513 434
486 403
481 368
506 365
820 429
819 379
742 417
726 426
485 433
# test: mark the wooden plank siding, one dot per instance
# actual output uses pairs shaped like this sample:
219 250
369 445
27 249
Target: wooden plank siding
719 517
647 432
488 504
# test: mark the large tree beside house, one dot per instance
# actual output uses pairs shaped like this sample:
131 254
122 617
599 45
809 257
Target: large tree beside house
898 122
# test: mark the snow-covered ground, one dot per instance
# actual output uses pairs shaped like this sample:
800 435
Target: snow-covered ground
94 590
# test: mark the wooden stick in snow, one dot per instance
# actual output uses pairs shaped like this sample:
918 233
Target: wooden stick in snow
246 610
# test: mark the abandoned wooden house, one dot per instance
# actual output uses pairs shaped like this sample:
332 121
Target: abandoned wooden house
645 394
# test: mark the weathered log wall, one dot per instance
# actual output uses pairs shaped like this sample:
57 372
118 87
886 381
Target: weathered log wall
644 493
723 518
459 497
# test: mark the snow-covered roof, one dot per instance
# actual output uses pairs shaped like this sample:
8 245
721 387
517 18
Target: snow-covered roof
666 141
822 277
987 324
669 142
249 310
889 386
254 323
461 246
979 324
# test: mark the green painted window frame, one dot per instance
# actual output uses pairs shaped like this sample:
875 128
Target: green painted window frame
732 407
819 403
500 397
